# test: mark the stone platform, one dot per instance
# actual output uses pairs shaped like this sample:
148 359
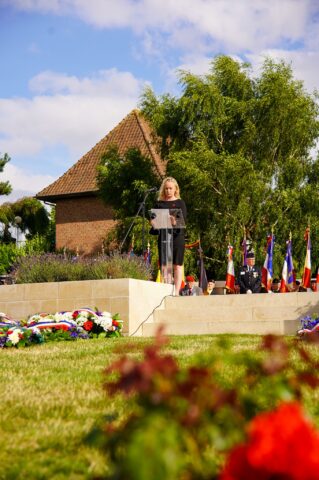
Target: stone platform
145 305
247 314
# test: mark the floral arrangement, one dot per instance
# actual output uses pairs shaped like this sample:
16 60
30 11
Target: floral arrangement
82 323
309 324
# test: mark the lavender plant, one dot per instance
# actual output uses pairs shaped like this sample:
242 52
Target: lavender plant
52 267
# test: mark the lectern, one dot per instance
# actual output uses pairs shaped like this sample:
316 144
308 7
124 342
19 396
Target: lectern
167 221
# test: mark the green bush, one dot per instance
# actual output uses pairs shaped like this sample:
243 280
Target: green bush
181 421
8 255
58 268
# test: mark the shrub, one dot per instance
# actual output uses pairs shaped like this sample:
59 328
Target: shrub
58 268
180 423
8 255
10 252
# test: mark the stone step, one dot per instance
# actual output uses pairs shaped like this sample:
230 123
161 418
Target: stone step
225 314
242 314
263 327
202 302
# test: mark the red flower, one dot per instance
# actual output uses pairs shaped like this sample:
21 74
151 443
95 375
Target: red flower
281 444
75 314
115 323
61 326
88 325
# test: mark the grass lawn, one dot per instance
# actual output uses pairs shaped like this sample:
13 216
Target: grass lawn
52 396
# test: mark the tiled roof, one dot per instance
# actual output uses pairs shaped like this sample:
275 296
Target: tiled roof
80 179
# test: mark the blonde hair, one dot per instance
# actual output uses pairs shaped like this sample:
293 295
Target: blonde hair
161 195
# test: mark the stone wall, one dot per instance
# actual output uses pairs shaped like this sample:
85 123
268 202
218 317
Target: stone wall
134 300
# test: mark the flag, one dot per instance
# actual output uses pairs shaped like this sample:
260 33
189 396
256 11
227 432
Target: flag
288 274
183 277
267 270
193 245
244 251
306 277
202 272
130 252
147 255
230 277
159 276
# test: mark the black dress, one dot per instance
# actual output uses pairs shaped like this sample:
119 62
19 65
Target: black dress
178 233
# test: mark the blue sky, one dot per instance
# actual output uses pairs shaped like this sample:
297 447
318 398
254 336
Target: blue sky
72 69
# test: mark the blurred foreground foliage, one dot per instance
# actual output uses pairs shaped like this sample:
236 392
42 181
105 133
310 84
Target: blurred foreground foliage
180 422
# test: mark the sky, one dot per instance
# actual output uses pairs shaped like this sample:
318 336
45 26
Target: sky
71 70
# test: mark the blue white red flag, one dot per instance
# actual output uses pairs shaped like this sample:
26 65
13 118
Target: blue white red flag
306 277
130 252
288 274
230 276
267 270
147 254
244 250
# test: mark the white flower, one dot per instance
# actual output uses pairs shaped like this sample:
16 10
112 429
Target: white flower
34 319
36 330
83 313
14 336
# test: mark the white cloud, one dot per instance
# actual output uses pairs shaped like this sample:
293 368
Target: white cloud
23 183
195 29
304 64
67 114
67 111
244 24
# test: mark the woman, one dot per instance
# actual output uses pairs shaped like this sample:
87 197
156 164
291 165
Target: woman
169 198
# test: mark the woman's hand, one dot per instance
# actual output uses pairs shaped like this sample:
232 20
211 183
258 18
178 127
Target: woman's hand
173 220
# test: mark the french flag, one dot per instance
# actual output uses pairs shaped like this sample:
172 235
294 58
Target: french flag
230 277
267 270
306 277
244 251
288 273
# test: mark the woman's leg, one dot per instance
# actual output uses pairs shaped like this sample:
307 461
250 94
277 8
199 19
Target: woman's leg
178 272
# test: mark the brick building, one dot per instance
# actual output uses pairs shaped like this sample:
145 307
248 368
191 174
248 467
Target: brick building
82 219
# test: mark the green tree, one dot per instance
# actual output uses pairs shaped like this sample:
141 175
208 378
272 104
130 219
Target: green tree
34 216
240 149
5 187
123 181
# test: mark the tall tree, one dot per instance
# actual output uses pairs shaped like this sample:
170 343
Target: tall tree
34 216
123 180
5 187
240 148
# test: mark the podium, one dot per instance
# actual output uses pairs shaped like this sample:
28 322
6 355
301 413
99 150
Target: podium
166 221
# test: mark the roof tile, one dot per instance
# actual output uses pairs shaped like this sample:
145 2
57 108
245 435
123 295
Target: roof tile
132 131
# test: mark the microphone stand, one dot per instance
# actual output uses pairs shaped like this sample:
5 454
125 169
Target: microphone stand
140 208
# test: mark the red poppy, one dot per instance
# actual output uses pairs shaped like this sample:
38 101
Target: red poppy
88 325
281 444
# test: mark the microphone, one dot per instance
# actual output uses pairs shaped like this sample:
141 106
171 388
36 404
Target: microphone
153 189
